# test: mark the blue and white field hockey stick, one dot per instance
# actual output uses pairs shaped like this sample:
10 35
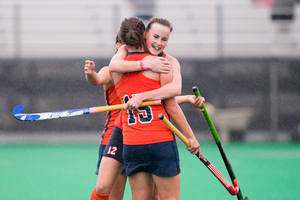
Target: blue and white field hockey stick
71 113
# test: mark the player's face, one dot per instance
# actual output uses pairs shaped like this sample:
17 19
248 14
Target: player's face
157 38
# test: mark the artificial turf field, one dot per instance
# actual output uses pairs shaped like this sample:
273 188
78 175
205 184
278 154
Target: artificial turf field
66 171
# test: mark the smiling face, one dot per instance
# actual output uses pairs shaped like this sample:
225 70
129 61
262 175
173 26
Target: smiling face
157 38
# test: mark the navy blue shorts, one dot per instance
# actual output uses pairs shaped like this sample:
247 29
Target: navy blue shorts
100 154
114 147
160 159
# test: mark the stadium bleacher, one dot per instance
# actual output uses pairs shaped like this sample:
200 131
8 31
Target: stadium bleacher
51 29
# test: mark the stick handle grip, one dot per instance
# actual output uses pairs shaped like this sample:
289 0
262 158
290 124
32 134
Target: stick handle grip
121 106
174 130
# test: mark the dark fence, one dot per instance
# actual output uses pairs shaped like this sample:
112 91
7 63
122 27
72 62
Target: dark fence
271 86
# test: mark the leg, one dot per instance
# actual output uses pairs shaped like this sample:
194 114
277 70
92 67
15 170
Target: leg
111 166
168 187
141 185
155 194
118 189
108 173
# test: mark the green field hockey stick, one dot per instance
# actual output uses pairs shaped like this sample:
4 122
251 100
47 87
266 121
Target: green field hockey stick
219 144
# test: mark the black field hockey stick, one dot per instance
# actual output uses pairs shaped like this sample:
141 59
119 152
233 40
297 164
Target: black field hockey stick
71 113
232 190
219 144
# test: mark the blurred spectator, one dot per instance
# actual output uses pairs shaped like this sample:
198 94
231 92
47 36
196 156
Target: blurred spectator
268 3
271 2
295 132
283 10
144 9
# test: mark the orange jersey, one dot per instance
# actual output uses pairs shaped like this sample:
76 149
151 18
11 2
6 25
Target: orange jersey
111 98
141 126
162 54
118 121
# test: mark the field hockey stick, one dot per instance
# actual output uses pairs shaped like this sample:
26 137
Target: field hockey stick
219 144
71 113
232 190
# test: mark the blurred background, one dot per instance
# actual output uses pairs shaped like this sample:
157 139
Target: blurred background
244 56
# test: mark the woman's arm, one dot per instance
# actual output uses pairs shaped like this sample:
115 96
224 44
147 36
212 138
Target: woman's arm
177 115
93 78
191 99
118 64
169 90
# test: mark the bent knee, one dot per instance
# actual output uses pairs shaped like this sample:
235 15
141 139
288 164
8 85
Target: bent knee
103 189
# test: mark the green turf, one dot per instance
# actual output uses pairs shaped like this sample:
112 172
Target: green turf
66 171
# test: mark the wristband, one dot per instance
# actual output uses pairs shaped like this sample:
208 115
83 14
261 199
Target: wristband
139 66
186 98
144 65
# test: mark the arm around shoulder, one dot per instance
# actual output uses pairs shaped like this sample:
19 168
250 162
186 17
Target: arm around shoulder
118 63
170 87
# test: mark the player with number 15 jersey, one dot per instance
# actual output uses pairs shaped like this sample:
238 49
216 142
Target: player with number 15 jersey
141 126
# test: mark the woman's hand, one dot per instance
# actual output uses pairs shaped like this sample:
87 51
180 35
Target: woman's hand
159 65
194 146
196 102
89 67
134 103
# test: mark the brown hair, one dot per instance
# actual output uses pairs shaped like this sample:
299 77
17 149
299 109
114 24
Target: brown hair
161 21
119 39
131 32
